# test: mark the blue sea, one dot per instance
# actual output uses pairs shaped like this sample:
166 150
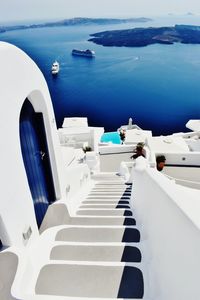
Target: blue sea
158 86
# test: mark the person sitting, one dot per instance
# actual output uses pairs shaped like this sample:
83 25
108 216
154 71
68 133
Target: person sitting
139 151
160 162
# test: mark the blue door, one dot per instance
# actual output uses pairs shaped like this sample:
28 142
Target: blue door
36 159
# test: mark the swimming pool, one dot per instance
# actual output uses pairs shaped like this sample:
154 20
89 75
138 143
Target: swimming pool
111 137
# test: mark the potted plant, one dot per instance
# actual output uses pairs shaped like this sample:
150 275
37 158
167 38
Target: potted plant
87 149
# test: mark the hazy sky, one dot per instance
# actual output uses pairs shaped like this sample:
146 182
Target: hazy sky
11 10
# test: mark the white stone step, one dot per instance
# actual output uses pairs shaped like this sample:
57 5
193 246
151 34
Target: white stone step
102 220
96 253
115 205
109 194
97 201
99 234
104 212
109 197
111 188
111 191
92 281
110 181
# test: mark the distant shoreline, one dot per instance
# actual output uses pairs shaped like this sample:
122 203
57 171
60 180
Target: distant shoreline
140 37
74 22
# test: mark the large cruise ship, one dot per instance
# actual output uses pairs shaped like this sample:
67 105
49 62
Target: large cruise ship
86 53
94 224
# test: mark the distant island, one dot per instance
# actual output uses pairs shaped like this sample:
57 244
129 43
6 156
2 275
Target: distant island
75 21
139 37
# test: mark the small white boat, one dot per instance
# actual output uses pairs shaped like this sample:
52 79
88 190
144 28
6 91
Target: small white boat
55 68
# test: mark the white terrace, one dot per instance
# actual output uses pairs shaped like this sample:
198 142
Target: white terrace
95 225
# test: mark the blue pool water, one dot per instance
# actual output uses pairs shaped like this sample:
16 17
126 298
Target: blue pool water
157 86
111 137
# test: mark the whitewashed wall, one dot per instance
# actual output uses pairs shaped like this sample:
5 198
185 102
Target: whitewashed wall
169 220
22 79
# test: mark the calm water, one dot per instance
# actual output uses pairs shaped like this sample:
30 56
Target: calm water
158 86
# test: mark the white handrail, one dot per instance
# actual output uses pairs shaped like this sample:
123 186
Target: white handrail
183 180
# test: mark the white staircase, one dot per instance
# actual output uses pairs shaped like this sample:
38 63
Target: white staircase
100 258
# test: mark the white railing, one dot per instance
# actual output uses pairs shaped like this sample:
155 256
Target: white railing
188 183
169 221
115 149
187 134
182 159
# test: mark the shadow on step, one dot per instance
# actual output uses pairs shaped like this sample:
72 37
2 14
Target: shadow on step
131 254
129 221
132 285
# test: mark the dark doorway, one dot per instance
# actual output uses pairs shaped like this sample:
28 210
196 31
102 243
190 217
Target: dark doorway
36 159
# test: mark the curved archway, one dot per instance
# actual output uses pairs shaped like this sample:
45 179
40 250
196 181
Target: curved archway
36 159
